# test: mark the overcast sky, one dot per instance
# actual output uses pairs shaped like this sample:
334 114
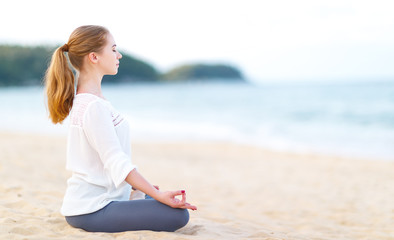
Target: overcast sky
268 40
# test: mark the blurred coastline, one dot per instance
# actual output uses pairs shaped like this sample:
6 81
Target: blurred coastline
341 119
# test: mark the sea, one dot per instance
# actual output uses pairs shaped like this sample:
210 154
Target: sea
349 119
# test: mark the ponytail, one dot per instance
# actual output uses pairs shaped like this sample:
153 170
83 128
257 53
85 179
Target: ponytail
59 78
60 86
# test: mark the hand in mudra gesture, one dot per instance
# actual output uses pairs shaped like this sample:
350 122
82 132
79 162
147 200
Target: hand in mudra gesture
169 198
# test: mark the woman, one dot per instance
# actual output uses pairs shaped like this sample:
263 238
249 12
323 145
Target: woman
98 151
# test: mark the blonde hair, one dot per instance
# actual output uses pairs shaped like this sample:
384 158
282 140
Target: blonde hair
59 78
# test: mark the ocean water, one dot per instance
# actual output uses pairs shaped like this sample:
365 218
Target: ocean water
345 119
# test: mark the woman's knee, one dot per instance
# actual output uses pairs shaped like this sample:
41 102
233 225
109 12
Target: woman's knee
180 219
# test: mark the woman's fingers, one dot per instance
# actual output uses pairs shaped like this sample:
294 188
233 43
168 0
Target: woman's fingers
189 206
182 203
183 196
178 203
177 193
185 205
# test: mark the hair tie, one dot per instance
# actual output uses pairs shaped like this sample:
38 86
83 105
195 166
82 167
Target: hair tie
65 48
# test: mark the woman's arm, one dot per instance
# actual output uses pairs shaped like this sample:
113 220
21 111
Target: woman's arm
135 179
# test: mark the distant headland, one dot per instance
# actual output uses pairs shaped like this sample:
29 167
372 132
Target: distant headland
26 65
202 72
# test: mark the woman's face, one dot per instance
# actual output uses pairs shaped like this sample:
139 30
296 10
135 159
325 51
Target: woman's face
109 57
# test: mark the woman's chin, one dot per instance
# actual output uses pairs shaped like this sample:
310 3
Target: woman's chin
112 73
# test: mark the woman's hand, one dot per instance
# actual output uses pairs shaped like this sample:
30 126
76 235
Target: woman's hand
169 198
135 179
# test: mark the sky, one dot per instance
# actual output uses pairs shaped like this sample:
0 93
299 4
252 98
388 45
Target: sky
281 40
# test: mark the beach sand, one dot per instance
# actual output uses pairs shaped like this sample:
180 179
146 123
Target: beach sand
242 192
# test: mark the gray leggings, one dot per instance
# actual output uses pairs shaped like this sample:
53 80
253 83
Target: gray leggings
120 216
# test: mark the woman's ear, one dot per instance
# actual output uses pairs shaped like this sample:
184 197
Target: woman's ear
93 57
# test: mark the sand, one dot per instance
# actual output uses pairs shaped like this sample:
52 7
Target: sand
242 192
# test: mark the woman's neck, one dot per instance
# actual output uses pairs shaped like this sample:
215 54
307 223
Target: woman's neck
90 83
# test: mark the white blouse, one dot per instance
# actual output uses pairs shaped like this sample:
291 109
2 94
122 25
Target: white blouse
98 155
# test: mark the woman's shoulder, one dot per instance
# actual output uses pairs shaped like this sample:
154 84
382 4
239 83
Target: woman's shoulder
88 97
81 105
82 101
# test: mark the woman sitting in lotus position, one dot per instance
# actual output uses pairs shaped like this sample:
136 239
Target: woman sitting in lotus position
98 151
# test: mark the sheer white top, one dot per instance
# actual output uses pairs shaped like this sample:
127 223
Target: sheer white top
98 155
